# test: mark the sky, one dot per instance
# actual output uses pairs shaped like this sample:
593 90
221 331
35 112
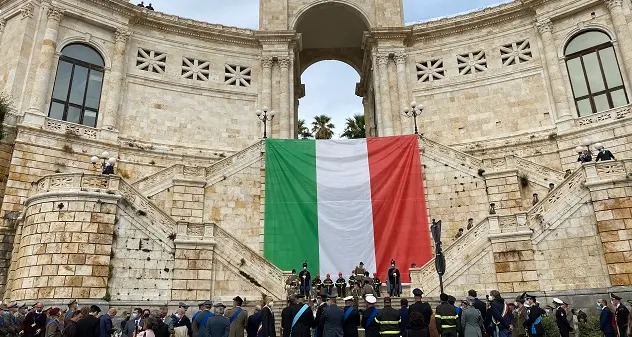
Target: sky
329 85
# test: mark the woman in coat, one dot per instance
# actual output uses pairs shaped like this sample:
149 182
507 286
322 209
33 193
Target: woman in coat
471 320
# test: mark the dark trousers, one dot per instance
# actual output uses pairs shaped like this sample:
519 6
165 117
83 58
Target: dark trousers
623 330
305 290
449 332
377 289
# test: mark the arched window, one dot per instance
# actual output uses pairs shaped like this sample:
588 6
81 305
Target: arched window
594 73
77 90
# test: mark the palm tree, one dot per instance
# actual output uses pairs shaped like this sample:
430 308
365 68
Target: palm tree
354 127
303 131
322 127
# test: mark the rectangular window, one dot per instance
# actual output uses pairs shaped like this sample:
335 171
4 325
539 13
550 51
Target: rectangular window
78 86
576 74
62 81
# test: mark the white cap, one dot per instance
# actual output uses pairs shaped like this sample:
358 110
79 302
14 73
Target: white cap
348 298
370 299
557 301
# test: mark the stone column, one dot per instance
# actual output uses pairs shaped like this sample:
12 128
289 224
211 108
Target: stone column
558 87
385 93
266 86
402 85
116 75
3 23
46 64
284 107
379 125
623 34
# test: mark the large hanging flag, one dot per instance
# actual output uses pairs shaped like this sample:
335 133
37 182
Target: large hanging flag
336 203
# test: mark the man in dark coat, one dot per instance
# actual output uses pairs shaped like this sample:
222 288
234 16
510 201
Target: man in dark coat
218 325
267 327
388 319
89 326
478 304
605 319
253 322
286 317
350 318
34 323
394 281
331 319
621 315
305 279
106 328
371 328
533 321
501 315
135 323
302 319
200 319
318 325
561 317
421 307
403 313
238 318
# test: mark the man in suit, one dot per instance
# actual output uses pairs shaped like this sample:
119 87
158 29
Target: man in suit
89 326
218 325
267 327
478 304
403 313
105 323
561 317
302 318
286 316
201 318
621 315
135 323
331 319
350 318
238 318
421 307
318 324
605 319
253 322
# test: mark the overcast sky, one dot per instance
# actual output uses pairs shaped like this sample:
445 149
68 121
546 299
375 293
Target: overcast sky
330 85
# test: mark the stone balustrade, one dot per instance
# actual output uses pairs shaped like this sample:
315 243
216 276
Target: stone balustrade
608 115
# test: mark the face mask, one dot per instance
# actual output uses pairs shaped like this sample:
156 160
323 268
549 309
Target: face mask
25 311
134 315
271 304
304 268
392 266
177 315
145 315
491 298
38 312
353 274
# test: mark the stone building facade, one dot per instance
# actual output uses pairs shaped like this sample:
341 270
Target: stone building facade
508 92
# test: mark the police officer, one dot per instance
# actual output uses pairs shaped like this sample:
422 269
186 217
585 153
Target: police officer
351 318
371 328
328 284
421 307
377 285
389 319
621 314
561 317
341 285
448 322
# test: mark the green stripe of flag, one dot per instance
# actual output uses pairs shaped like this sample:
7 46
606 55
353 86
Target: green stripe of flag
291 213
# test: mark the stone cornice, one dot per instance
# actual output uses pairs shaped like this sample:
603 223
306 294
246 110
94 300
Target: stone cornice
279 36
390 33
470 21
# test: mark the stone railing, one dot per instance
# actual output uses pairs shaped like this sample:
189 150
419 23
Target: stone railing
432 147
250 264
555 198
612 114
163 179
457 256
148 209
608 171
71 129
75 182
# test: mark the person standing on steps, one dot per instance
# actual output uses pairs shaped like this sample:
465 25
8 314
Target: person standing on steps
394 281
332 318
341 286
351 318
305 279
371 328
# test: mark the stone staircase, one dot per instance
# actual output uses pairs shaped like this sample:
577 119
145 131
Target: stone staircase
163 179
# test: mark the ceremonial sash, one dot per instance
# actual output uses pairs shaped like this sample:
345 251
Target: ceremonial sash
261 324
298 315
371 318
347 313
204 319
537 321
234 316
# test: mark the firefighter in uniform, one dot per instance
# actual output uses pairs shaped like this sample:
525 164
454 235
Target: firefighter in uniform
328 285
317 285
341 286
621 314
352 280
448 322
377 285
389 319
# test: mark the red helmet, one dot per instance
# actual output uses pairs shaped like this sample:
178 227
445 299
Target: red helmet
374 274
339 273
328 275
317 275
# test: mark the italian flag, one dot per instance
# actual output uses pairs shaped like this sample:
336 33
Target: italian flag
335 203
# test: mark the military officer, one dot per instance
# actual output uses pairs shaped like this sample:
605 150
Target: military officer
305 280
561 317
359 272
10 321
72 306
377 285
291 284
341 286
621 314
356 292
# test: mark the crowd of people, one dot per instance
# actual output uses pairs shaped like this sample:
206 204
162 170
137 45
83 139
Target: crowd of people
360 283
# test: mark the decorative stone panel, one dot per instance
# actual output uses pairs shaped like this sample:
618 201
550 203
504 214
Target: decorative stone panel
471 63
428 71
195 69
515 53
238 76
151 61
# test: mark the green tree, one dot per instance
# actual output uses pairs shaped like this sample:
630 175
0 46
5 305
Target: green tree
354 127
322 127
303 130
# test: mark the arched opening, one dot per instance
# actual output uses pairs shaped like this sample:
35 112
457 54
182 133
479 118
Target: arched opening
329 91
594 73
332 32
78 83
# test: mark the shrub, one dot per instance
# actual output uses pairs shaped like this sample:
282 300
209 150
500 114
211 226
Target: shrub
590 328
550 326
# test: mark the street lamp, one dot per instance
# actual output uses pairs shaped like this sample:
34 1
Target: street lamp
107 166
265 116
413 112
435 230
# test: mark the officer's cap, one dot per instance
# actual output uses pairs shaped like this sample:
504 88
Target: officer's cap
417 292
370 299
348 298
615 297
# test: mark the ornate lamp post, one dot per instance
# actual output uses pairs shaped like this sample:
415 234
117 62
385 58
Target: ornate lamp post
107 166
413 112
435 229
265 116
